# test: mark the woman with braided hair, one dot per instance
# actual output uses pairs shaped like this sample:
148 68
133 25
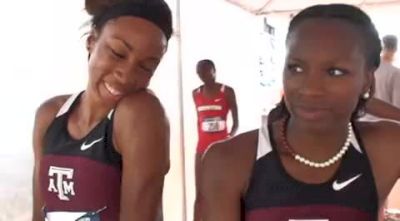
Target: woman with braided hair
311 159
102 154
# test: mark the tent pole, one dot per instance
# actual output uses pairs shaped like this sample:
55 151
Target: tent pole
181 109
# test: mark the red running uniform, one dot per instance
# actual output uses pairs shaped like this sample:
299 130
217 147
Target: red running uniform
211 118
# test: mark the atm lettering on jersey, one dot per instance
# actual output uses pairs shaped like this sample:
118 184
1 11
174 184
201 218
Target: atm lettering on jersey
60 182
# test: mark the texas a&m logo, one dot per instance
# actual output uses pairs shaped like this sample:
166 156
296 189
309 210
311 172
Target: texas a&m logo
60 182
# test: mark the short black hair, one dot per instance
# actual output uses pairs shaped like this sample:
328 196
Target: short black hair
389 42
205 62
352 15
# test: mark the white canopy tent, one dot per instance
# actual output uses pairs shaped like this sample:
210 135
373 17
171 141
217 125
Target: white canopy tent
268 7
384 13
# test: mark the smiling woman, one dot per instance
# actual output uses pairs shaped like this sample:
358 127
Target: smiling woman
103 151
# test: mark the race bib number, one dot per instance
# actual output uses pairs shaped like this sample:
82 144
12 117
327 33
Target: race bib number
214 124
308 219
74 216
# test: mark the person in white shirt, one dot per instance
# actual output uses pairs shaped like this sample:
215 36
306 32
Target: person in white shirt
387 88
387 76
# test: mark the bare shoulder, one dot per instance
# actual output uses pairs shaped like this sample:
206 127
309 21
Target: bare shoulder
139 110
194 91
144 103
235 147
51 106
384 132
229 89
382 142
140 124
45 114
47 111
231 160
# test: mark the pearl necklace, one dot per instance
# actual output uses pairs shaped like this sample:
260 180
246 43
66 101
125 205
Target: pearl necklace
313 164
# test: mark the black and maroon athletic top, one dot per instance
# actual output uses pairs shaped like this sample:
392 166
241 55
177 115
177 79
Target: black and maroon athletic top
80 179
274 195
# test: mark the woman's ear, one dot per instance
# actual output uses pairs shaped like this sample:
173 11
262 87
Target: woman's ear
369 82
91 41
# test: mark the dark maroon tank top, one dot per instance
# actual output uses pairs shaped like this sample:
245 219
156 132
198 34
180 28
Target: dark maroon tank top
274 195
80 179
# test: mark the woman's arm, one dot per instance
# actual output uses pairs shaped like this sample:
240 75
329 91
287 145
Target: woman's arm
220 198
382 109
141 135
44 116
381 141
234 111
225 172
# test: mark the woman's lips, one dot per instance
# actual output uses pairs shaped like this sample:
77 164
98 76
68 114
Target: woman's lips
113 91
311 113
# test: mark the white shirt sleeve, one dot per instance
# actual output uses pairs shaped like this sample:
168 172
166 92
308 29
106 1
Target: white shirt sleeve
396 88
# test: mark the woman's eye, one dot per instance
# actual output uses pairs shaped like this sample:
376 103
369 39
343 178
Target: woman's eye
336 72
295 68
146 69
116 54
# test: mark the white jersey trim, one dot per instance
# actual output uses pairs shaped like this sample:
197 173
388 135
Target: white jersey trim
64 109
264 143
